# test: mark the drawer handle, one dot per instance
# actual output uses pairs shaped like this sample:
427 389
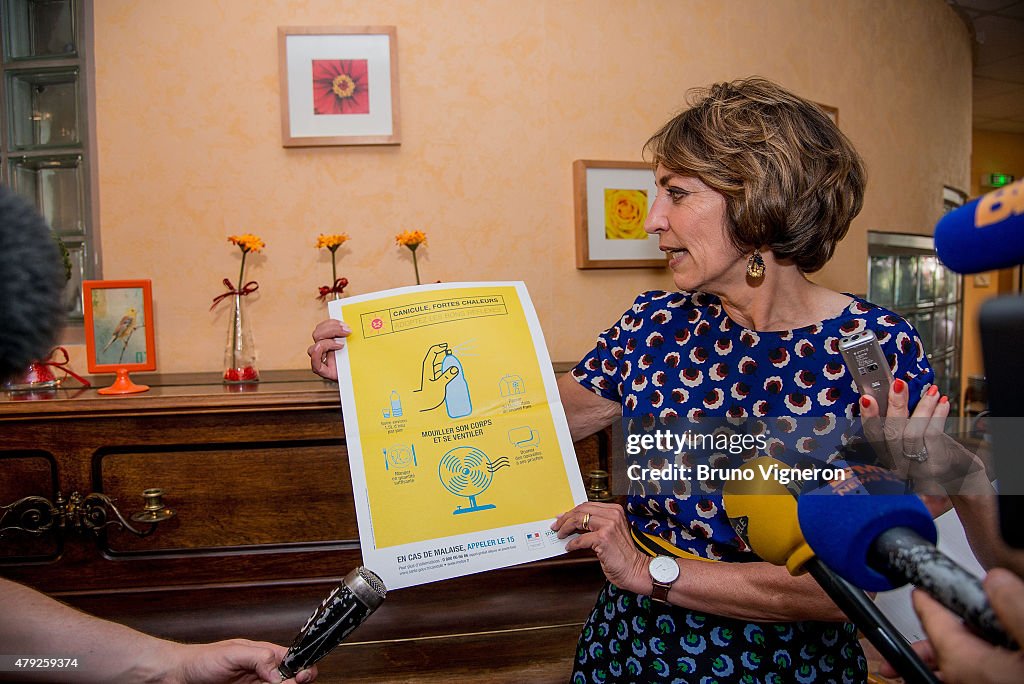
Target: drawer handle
90 513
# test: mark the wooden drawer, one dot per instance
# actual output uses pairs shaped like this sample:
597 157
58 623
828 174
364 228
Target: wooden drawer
234 495
25 473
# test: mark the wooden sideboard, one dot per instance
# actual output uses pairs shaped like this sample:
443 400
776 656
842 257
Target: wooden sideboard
265 528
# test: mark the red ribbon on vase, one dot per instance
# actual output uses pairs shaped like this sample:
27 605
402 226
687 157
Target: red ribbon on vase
247 289
339 288
52 362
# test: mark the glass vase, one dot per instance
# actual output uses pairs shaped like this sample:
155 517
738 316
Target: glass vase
37 376
240 351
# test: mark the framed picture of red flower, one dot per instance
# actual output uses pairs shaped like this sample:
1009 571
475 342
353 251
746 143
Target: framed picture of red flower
339 85
612 200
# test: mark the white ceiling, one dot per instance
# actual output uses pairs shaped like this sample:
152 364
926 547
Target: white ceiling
998 28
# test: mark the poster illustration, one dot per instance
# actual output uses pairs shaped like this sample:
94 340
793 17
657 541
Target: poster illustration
459 450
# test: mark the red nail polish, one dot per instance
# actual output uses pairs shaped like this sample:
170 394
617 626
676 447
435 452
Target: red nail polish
898 385
944 400
865 402
933 390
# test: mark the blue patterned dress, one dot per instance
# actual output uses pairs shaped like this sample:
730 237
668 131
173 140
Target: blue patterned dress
678 354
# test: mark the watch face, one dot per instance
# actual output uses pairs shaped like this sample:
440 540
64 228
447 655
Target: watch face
663 569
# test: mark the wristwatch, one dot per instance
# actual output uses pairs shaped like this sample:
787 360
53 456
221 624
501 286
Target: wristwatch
664 571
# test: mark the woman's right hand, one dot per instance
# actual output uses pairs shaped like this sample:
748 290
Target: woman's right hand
328 337
916 446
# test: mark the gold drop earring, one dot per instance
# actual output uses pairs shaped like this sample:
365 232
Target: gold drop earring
755 265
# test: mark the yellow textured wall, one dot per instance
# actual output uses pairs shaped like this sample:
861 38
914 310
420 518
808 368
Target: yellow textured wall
497 100
991 152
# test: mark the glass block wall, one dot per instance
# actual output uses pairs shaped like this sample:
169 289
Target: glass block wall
904 275
44 142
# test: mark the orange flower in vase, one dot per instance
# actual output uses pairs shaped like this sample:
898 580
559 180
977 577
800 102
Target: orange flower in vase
412 239
240 352
332 243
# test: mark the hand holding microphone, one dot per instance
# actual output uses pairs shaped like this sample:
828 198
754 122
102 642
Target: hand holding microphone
764 513
890 538
341 612
962 657
879 538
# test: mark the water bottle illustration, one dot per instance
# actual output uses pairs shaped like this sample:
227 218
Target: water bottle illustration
396 405
456 396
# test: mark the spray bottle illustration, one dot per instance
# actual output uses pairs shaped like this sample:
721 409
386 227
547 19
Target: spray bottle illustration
456 397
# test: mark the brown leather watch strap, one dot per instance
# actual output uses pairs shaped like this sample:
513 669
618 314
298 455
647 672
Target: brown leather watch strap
660 592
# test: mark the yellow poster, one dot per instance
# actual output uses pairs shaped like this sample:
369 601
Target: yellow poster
458 446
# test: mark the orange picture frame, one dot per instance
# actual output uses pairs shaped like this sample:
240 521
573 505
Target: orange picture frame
119 332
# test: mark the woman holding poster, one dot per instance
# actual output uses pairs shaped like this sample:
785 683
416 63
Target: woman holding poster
756 186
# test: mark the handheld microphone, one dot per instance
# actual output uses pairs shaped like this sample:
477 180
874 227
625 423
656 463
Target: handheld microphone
878 538
347 607
985 234
31 280
763 512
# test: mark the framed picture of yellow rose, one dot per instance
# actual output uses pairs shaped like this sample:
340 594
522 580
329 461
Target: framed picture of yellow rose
612 200
339 85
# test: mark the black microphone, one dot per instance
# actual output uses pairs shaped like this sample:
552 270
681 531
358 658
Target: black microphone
31 281
903 555
341 612
879 540
1002 324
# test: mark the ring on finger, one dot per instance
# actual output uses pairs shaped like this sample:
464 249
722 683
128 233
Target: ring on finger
586 522
917 456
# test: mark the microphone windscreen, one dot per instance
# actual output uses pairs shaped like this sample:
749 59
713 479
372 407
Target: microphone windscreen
31 280
842 519
985 234
762 511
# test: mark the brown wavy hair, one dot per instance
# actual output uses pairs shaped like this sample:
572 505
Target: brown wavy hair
792 181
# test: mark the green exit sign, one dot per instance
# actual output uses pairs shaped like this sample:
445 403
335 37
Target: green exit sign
996 180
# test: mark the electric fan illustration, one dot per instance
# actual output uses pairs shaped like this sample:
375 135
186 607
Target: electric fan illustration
467 471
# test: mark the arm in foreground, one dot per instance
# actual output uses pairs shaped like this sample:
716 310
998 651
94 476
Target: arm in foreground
744 591
38 626
963 657
960 656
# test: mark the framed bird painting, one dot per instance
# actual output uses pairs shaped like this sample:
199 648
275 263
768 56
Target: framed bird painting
119 335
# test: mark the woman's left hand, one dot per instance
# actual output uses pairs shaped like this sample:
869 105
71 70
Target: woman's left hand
604 529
